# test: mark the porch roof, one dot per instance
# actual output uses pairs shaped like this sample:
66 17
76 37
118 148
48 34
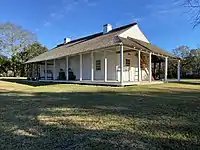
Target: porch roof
98 41
144 46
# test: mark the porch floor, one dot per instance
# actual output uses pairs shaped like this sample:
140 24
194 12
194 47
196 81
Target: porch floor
108 83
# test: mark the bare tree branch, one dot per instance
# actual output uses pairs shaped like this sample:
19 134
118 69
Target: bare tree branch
193 7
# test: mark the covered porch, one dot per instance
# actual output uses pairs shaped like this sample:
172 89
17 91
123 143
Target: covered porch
128 63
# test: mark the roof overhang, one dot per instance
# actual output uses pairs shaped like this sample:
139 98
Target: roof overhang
145 47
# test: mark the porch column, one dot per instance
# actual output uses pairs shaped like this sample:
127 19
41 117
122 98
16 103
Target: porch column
92 66
81 66
54 69
139 66
166 68
150 68
105 67
45 70
67 67
121 63
179 70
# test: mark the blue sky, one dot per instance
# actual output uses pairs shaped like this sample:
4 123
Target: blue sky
165 23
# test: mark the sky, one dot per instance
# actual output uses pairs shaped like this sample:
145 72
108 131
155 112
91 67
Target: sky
165 23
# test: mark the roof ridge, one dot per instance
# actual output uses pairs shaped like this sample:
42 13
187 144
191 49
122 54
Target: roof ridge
98 34
88 43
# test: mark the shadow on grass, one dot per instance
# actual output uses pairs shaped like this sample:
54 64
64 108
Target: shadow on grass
103 120
27 82
187 82
38 83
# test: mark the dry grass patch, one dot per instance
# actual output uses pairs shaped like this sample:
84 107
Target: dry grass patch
88 117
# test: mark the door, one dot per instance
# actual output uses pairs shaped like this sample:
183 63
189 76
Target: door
127 73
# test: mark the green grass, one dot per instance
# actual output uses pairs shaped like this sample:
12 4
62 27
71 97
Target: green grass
39 116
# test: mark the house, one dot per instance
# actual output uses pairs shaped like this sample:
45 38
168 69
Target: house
121 56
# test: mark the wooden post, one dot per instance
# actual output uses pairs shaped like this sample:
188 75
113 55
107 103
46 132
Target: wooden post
92 66
81 66
150 68
121 63
166 68
54 69
67 67
105 67
179 70
139 66
45 70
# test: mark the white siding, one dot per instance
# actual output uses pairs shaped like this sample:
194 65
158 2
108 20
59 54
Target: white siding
60 64
74 64
133 66
130 73
136 33
99 74
112 63
87 66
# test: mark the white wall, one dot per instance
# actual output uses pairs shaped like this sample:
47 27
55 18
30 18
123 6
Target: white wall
74 64
133 76
99 74
136 33
130 73
60 64
112 63
87 66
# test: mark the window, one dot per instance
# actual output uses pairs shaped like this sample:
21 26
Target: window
128 63
98 65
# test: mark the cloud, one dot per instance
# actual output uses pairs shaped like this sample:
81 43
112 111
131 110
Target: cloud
156 10
57 15
47 23
37 30
69 5
132 16
177 2
92 4
66 7
169 7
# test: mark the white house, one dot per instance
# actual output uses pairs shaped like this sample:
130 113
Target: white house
121 56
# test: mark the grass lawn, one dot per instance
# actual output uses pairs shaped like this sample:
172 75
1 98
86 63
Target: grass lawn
34 116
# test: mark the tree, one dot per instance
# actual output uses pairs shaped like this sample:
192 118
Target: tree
193 6
195 63
5 64
190 61
184 53
13 40
30 52
181 51
33 50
